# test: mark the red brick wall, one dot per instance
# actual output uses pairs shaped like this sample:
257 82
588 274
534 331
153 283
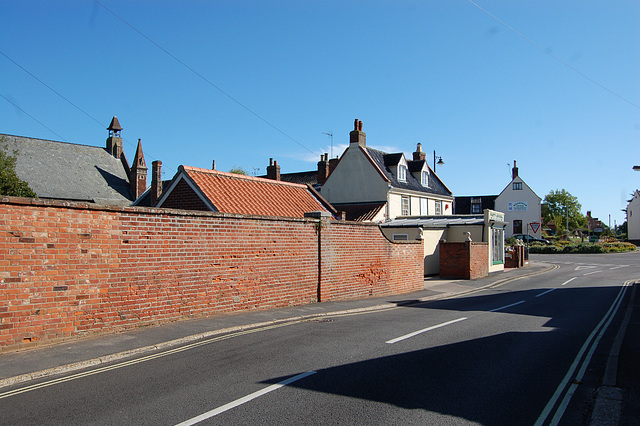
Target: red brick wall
184 197
464 260
69 269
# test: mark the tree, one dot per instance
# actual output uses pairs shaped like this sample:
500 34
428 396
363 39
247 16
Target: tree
238 170
560 205
10 183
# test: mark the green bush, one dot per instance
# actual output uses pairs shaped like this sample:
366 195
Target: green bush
583 248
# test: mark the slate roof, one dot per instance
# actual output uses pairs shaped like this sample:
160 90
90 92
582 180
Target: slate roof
302 178
462 205
436 222
234 193
145 199
70 171
383 161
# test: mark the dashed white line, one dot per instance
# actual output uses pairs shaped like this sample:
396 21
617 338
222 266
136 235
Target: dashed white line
508 306
424 330
590 273
568 281
244 399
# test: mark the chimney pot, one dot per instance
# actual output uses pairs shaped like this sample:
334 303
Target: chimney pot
273 170
357 136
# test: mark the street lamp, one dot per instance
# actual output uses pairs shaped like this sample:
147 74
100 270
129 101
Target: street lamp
636 168
439 163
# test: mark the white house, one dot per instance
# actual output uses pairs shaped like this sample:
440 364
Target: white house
371 185
521 206
633 218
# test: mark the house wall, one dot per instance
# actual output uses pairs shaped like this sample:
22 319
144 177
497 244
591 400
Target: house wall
184 197
354 180
532 214
69 269
633 219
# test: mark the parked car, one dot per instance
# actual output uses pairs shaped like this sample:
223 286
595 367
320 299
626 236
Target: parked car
531 239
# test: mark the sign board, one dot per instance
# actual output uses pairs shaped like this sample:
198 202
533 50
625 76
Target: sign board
599 230
535 226
518 206
593 238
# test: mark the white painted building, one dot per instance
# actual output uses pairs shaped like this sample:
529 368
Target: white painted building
633 218
371 185
521 207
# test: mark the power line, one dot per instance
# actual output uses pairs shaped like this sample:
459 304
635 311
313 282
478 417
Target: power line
32 117
63 97
203 78
553 56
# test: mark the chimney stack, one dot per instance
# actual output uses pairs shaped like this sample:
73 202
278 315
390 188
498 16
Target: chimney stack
156 181
273 170
357 136
419 155
323 168
333 163
514 170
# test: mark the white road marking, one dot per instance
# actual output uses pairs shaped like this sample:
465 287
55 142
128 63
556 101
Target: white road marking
508 306
590 273
244 399
548 291
618 267
585 351
568 281
579 268
424 330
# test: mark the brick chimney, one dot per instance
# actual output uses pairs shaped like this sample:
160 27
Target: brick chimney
357 136
273 170
419 155
156 182
138 174
333 163
514 171
114 141
323 168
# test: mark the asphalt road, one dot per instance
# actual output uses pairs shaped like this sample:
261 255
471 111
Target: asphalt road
526 352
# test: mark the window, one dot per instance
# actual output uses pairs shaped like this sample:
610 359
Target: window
402 173
400 237
424 178
497 252
406 206
424 206
517 226
476 205
438 207
517 186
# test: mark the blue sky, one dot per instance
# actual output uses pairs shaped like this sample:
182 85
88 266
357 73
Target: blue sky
552 84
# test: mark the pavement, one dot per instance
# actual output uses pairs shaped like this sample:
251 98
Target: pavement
617 401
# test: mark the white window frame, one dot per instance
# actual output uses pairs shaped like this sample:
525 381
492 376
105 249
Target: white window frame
517 186
424 206
405 205
402 173
400 237
424 178
438 208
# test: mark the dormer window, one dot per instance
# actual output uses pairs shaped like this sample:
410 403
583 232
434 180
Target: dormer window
424 178
402 173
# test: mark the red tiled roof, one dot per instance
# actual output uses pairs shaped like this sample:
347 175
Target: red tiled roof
234 193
